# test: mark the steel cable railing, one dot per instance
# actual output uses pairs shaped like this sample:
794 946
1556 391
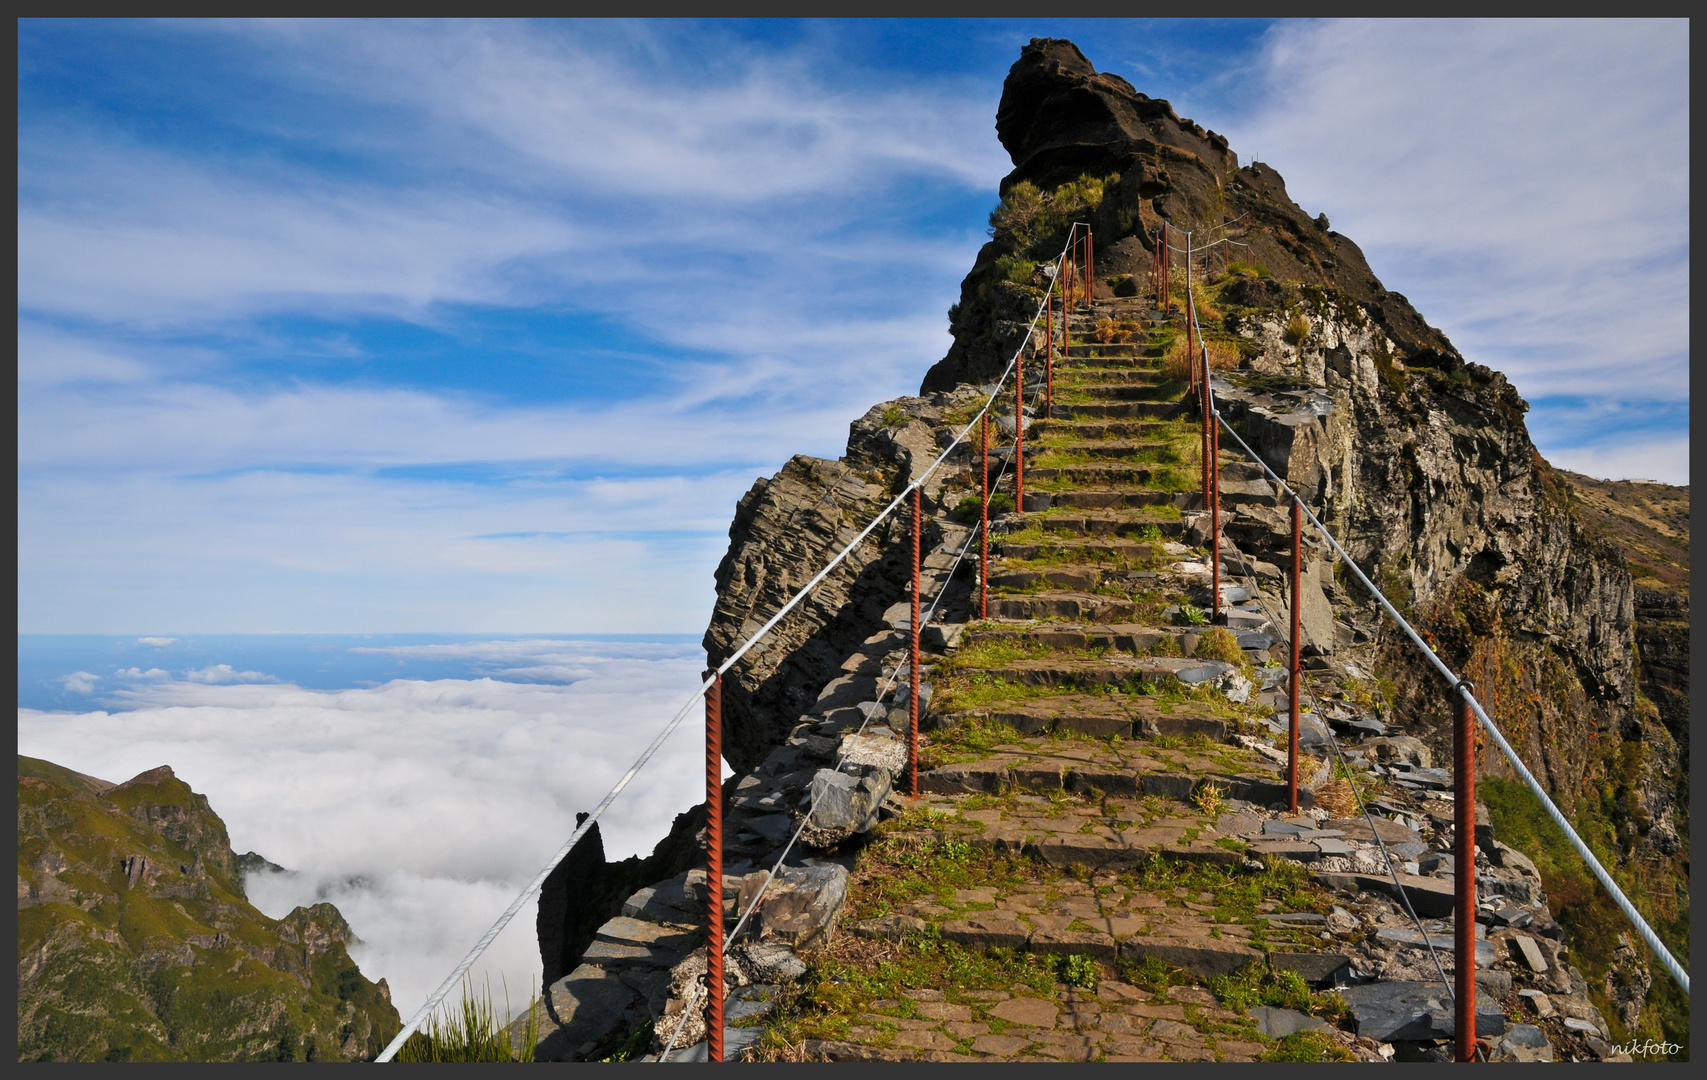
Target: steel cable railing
1623 902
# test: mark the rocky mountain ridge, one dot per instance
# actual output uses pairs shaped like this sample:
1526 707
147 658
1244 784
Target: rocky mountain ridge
136 941
1420 465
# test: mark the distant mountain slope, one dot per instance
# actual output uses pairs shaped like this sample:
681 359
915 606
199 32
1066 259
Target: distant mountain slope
136 942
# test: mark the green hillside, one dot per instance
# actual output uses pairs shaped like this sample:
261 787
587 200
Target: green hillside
136 941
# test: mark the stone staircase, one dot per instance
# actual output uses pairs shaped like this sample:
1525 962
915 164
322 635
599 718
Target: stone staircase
1099 865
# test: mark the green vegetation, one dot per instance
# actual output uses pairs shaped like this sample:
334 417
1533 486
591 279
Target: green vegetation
1018 271
1076 970
1591 920
966 511
1307 1046
1193 616
1297 330
1220 644
168 966
1036 223
473 1033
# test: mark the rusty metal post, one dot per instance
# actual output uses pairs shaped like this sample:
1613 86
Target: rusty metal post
984 522
1019 429
1190 349
1049 349
1296 666
1214 433
714 868
913 662
1201 388
1464 874
1090 270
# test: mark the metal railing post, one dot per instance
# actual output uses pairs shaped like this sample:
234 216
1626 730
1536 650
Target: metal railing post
984 521
1295 674
1049 349
1464 872
714 867
1019 430
1214 491
913 662
1190 347
1090 270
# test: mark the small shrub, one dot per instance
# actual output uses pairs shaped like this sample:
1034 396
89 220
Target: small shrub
1193 616
1017 270
966 511
1219 644
1209 798
1077 970
893 416
1244 268
1297 330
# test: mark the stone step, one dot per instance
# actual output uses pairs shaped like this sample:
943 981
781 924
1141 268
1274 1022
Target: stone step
1113 524
1082 578
1116 362
1099 448
1103 376
1037 501
1099 716
1102 549
1147 410
1081 607
1110 671
1101 474
1092 433
1130 638
1120 391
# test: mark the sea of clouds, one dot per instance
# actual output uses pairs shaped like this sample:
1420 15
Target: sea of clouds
420 807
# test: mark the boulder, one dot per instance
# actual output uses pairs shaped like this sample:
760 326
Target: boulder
1413 1012
801 906
770 961
581 1009
844 803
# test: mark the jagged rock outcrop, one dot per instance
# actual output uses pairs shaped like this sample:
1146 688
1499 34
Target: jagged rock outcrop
136 942
786 529
1059 118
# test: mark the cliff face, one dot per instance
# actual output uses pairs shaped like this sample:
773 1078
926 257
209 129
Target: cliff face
786 529
136 942
1060 119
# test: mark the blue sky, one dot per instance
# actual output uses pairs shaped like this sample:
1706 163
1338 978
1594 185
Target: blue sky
404 327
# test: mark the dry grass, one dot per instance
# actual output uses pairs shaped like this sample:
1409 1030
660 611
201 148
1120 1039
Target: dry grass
1336 798
1177 363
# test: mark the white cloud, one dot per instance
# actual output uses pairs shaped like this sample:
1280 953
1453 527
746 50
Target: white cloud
138 673
1664 460
157 642
1525 183
219 674
80 682
345 788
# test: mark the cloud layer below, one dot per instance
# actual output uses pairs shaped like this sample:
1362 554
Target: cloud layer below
419 807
